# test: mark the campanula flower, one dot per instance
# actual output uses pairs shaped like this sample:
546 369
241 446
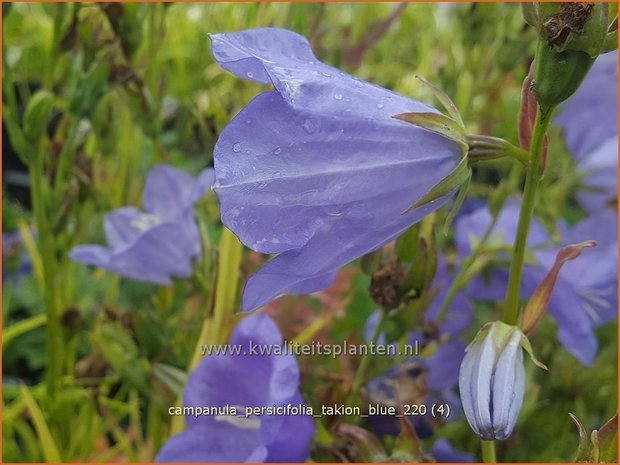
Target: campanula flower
590 117
156 244
244 381
586 293
492 381
590 123
317 170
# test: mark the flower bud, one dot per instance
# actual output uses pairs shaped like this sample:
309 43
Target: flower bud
572 35
492 380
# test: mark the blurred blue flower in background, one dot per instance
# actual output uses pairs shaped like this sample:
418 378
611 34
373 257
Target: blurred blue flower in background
590 117
159 243
443 451
244 381
15 260
318 170
586 293
590 123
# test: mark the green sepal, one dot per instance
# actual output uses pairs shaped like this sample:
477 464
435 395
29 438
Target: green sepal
439 124
458 176
445 100
582 449
607 437
527 346
611 42
458 203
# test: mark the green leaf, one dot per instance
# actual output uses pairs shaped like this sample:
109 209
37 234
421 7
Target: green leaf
50 451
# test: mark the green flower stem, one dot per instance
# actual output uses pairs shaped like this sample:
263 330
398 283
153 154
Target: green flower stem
360 374
532 179
488 451
54 330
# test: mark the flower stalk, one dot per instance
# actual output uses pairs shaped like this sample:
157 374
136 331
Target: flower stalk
532 179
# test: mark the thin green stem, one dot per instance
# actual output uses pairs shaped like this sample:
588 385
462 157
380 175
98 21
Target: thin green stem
459 279
488 451
54 336
360 374
532 179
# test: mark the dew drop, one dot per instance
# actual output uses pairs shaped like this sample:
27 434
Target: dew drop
249 74
338 96
326 74
308 126
237 147
379 106
311 62
278 151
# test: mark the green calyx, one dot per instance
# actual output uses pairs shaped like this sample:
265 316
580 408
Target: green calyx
501 336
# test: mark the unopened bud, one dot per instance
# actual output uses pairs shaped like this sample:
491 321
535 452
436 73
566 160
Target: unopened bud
492 380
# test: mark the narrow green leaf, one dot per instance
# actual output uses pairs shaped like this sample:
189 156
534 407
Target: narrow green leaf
50 451
23 326
456 178
439 124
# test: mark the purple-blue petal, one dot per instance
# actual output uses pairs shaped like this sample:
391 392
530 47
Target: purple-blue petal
214 443
600 189
590 117
167 192
318 170
284 59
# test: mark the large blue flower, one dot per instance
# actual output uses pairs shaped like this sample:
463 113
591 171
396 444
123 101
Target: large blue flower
244 380
586 293
318 170
159 243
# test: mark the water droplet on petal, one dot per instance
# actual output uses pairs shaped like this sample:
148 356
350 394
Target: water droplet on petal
278 151
338 96
311 62
326 74
309 126
379 106
237 147
249 74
